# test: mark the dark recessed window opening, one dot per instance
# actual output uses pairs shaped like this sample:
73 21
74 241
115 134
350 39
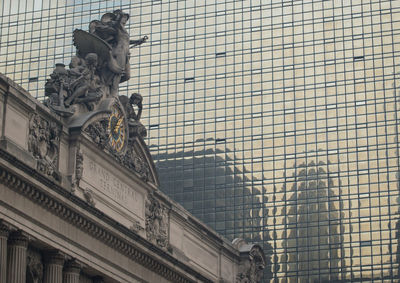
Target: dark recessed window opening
33 79
187 80
220 54
358 58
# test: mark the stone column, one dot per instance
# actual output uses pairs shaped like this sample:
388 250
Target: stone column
4 231
54 262
71 272
16 265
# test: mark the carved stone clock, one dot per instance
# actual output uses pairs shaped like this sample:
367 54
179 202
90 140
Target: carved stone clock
117 129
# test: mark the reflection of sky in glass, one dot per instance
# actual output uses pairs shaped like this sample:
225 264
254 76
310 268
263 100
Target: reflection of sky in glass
281 83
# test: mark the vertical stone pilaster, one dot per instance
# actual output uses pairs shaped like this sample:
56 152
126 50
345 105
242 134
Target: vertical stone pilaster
72 271
4 232
54 262
16 265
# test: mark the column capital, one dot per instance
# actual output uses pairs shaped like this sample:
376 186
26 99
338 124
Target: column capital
4 229
72 266
18 238
54 257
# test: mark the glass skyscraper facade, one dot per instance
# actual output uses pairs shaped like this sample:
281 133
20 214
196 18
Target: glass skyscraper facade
275 121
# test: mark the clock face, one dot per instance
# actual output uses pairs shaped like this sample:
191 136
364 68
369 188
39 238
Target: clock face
117 129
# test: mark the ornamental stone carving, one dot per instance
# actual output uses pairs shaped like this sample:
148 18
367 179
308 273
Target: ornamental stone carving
157 222
43 143
95 72
34 268
136 227
78 167
88 194
135 126
99 134
97 131
252 262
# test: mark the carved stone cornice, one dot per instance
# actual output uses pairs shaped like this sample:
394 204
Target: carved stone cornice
82 222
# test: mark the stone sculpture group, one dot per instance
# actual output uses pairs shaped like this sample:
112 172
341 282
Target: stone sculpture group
95 72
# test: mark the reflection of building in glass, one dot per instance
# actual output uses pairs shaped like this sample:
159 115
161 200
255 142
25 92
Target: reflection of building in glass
313 250
278 81
212 188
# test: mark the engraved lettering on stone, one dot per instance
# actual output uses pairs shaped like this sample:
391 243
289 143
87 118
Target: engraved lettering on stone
110 185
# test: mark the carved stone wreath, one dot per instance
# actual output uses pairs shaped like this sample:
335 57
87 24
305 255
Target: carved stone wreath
43 143
157 222
97 131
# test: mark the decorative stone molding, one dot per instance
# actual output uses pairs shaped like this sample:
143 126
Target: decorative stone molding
89 197
98 133
85 224
44 143
134 162
136 227
157 222
252 262
78 167
34 268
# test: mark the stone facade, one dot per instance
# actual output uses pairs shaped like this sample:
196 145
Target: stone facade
71 211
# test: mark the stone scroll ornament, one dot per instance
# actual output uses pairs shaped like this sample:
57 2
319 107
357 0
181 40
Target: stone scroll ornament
101 63
43 143
157 222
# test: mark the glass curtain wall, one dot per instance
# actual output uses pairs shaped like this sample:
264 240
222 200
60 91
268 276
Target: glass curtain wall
275 121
